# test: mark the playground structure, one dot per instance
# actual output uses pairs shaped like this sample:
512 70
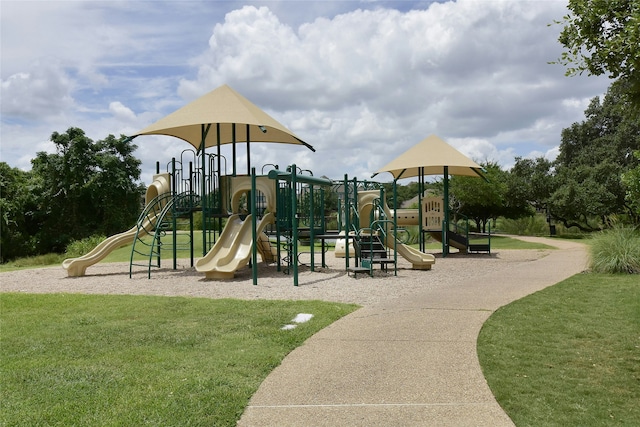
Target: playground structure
430 220
256 206
284 206
238 213
247 204
433 156
375 208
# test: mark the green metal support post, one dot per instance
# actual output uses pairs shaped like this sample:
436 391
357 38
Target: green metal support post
254 236
203 163
347 221
294 212
233 146
395 225
174 224
420 213
445 225
311 226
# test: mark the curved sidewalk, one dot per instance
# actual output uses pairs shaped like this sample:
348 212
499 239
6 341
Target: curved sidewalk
407 362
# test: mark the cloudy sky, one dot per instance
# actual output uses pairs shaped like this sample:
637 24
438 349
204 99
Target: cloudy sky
361 81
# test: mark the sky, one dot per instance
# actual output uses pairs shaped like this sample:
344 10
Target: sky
360 81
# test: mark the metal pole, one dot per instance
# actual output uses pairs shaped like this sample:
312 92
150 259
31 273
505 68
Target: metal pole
203 196
445 226
213 186
311 226
347 221
233 146
254 246
395 225
294 211
173 215
248 151
420 213
191 193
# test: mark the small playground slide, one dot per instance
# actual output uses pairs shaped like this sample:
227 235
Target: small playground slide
77 267
456 240
233 248
419 260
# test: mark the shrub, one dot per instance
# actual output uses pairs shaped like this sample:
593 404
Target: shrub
535 225
616 250
81 247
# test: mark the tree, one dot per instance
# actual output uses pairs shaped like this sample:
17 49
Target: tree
85 188
584 186
594 154
603 37
587 195
17 204
485 200
535 180
631 179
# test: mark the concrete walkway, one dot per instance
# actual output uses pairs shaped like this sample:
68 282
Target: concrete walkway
407 362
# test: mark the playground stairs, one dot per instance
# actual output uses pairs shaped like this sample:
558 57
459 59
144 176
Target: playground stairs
162 216
370 251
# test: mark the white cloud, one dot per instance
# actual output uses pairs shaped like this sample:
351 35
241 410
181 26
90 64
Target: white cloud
464 70
360 81
121 112
40 94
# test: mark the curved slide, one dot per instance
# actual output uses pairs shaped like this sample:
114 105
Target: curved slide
77 267
233 248
419 260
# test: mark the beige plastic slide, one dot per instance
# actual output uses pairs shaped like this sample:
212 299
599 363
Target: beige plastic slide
233 248
419 260
77 267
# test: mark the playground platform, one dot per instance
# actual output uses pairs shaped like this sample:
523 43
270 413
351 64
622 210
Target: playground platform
409 361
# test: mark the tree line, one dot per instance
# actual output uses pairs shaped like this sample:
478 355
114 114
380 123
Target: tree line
85 188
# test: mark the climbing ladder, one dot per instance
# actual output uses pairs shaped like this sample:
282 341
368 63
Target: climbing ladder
369 242
159 217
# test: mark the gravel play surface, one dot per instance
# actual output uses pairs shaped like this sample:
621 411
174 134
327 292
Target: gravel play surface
328 284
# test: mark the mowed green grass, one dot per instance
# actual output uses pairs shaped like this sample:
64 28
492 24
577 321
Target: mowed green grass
91 360
568 355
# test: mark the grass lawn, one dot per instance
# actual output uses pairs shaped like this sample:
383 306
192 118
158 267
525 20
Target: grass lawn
568 355
84 360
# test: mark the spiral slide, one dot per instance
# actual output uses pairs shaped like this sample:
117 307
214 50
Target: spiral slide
419 260
233 248
77 267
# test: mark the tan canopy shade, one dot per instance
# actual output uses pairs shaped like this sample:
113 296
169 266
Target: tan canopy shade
431 155
228 109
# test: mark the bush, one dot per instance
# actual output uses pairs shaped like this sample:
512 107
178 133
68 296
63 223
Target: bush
616 250
81 247
535 225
